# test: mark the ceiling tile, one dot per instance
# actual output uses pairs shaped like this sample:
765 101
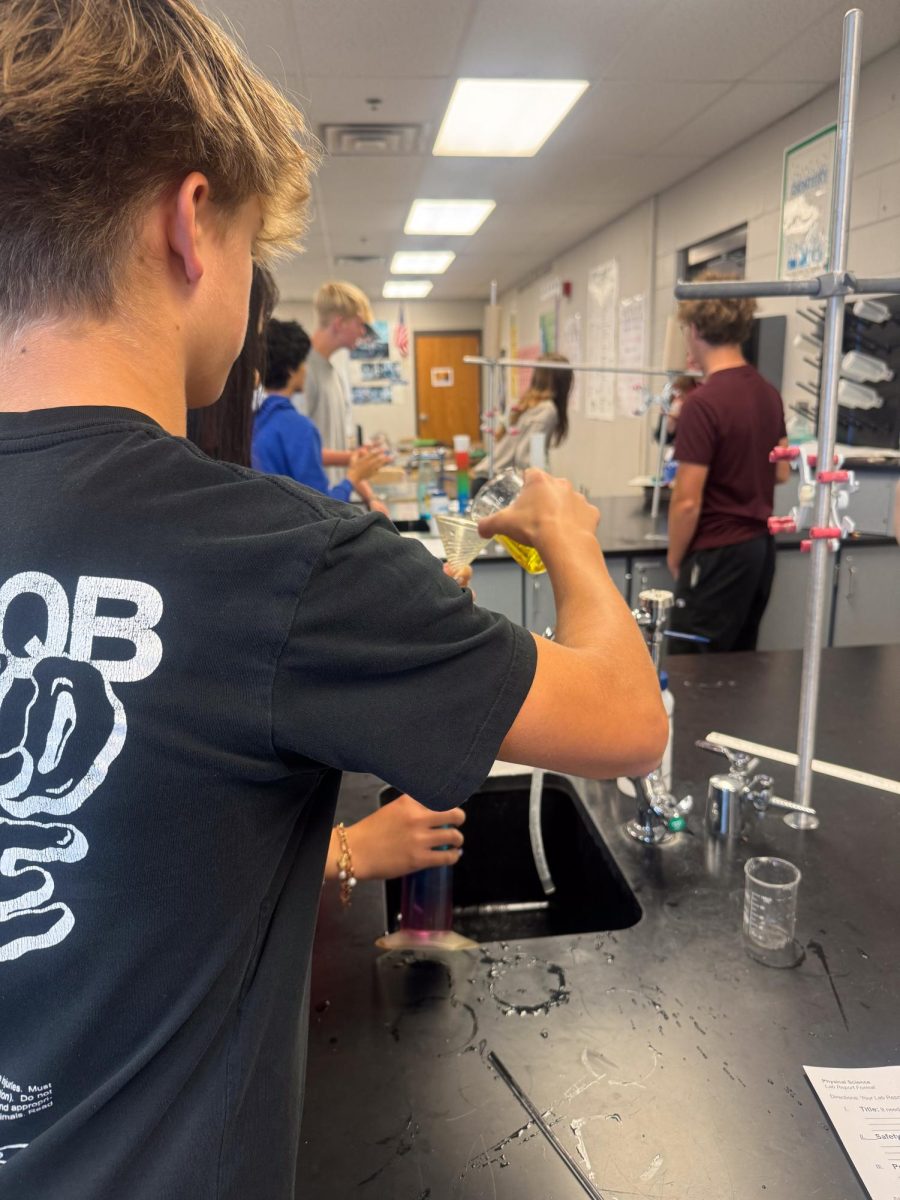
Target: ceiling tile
572 39
626 119
376 180
746 109
357 38
816 53
712 39
336 100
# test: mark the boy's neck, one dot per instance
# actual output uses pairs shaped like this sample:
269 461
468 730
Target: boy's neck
64 366
721 358
323 342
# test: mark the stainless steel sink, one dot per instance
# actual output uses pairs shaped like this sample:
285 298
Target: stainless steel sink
497 895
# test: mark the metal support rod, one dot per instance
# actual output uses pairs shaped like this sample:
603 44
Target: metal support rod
828 410
660 465
876 285
478 361
726 288
665 404
492 417
493 391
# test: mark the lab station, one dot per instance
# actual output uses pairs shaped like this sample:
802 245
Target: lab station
650 248
685 984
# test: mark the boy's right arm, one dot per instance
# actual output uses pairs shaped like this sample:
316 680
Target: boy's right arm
594 708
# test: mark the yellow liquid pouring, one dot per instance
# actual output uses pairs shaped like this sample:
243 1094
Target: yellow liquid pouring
526 556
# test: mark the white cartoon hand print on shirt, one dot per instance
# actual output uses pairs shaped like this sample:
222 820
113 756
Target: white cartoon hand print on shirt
61 726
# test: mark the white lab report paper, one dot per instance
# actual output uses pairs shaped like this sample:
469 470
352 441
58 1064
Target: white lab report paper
864 1108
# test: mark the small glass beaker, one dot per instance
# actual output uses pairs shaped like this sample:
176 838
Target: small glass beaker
770 911
498 494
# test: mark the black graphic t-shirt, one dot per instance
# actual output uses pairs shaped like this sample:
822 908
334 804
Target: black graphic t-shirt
190 653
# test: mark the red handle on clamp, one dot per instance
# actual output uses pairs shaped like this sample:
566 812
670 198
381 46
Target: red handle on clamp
826 531
833 476
812 460
782 525
780 453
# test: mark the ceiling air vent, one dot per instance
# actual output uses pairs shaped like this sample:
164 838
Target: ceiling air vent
358 260
372 141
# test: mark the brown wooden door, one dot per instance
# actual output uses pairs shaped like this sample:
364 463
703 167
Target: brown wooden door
448 391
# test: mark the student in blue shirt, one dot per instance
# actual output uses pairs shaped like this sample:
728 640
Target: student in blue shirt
285 442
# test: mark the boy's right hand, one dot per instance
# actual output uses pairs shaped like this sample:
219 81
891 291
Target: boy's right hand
365 463
546 513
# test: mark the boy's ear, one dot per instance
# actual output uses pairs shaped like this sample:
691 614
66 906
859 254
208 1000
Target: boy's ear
189 210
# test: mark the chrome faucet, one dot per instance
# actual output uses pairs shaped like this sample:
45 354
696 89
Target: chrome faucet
728 794
659 814
652 617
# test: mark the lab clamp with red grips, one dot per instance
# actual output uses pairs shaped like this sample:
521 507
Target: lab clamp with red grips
842 484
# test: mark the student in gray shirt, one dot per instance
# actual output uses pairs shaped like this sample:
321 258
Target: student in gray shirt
343 316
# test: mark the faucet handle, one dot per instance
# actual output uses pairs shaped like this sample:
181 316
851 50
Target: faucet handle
759 792
739 763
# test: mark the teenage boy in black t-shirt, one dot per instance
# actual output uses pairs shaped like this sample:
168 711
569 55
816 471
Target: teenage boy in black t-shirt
190 652
720 550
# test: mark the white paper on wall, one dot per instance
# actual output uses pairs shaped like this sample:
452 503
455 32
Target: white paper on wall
570 346
632 345
603 297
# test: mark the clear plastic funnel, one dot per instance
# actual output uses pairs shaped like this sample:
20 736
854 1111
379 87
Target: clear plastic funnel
461 540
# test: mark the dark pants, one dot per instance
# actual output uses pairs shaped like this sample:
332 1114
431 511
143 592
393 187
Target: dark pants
724 593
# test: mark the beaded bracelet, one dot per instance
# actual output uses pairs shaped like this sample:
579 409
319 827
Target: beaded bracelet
345 866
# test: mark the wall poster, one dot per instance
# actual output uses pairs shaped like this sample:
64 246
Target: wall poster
570 346
373 374
632 338
806 191
603 298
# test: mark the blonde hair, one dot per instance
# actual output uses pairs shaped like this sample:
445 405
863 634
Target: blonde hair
105 104
720 322
338 299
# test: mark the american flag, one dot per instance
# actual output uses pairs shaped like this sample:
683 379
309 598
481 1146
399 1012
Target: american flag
401 335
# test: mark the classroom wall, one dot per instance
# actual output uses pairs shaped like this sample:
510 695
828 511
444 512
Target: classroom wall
742 185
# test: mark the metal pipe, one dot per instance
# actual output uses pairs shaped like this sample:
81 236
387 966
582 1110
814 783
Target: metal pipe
888 286
726 288
491 421
660 465
828 409
478 361
492 416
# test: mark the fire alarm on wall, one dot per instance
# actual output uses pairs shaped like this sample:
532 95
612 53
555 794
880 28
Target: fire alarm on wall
567 288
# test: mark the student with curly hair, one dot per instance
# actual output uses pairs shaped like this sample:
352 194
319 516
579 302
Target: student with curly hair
720 550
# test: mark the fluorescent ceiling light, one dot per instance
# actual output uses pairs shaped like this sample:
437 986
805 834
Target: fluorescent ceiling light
421 262
459 218
504 118
407 289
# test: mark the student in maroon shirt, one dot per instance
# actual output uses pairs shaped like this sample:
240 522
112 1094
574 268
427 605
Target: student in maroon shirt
720 550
